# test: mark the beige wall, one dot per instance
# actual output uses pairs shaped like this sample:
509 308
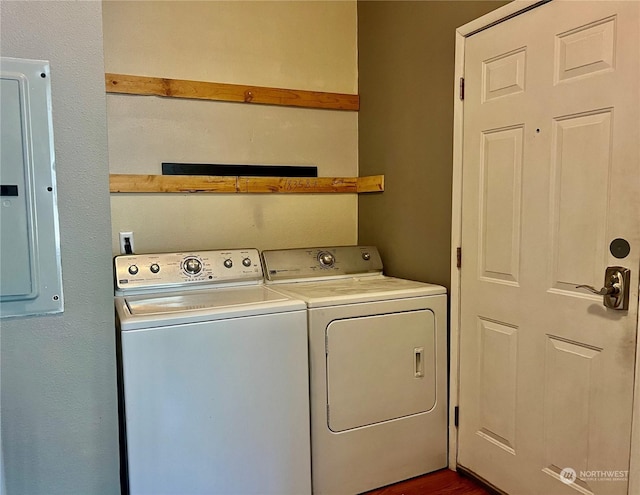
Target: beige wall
299 45
406 66
59 398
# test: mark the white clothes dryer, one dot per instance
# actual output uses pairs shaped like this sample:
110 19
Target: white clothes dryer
378 367
213 377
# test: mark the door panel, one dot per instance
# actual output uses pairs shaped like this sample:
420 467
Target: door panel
498 347
503 75
551 170
585 50
500 204
572 379
580 175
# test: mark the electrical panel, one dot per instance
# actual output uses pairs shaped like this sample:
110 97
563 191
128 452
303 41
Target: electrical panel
30 268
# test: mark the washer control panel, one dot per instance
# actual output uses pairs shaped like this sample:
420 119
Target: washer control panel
167 270
287 264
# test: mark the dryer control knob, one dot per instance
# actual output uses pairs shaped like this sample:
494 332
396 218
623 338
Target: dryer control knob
155 268
133 269
366 256
326 259
228 263
246 262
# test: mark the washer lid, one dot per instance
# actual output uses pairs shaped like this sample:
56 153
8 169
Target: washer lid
203 300
194 306
356 290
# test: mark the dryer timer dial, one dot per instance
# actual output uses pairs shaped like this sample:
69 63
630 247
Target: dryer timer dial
326 259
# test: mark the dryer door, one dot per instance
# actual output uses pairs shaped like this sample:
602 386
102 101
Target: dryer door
380 368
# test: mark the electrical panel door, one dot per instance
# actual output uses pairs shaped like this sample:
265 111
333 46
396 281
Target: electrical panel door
30 273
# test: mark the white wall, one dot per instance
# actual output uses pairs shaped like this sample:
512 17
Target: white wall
292 44
59 409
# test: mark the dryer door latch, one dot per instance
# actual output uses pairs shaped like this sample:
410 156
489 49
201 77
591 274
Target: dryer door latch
418 362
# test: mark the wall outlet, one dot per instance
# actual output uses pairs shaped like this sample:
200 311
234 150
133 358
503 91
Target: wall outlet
126 243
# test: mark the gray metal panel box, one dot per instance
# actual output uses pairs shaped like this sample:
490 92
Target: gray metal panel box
30 268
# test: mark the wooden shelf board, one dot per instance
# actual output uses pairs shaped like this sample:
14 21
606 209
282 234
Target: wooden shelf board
182 88
129 183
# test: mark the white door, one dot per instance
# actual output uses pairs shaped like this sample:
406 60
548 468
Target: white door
551 176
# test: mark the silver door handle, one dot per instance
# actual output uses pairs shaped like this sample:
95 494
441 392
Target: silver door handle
605 291
616 287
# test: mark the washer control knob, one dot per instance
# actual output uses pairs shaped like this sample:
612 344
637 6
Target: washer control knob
228 263
155 268
133 269
366 256
192 266
326 259
246 262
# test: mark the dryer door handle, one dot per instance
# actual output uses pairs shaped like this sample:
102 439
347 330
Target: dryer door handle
418 362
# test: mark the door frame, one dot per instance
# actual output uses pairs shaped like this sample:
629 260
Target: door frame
499 15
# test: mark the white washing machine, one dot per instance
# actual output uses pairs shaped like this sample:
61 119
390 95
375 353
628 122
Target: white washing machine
213 377
378 367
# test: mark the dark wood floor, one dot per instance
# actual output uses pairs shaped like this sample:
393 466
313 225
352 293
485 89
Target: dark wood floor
443 482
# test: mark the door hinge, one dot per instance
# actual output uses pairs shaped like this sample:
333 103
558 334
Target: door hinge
459 257
462 88
327 413
326 344
456 416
